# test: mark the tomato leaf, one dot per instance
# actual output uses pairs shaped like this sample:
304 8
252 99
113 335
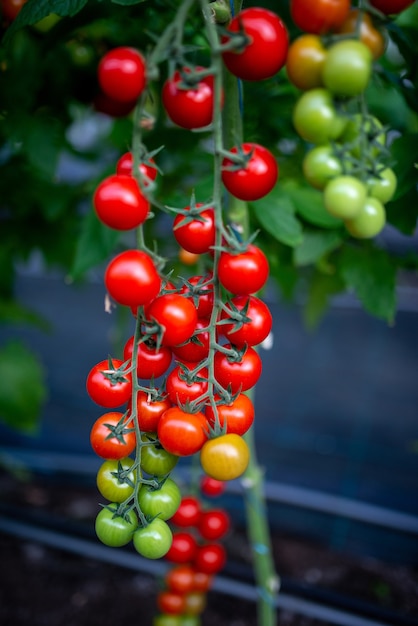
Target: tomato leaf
321 288
23 387
95 244
314 245
276 214
371 273
309 204
127 3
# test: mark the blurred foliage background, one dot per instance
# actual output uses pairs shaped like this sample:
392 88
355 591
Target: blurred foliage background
57 142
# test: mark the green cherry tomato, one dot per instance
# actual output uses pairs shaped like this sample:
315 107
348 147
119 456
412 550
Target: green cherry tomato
115 480
347 68
315 117
344 196
113 529
369 221
383 186
162 502
320 165
364 135
155 460
154 540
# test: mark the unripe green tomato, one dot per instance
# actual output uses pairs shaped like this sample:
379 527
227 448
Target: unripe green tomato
383 186
315 117
320 165
154 540
165 619
344 197
112 482
347 68
364 136
155 460
369 221
115 530
162 502
44 25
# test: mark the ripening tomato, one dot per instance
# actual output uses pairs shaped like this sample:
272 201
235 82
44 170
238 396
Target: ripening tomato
196 349
154 540
151 362
391 7
239 373
180 579
112 437
114 528
255 178
225 457
305 61
176 316
171 602
361 25
116 479
211 487
11 8
188 258
162 502
320 165
182 433
264 52
195 605
315 117
108 385
188 513
119 202
238 414
188 100
369 221
122 74
210 558
183 388
214 524
183 548
155 460
195 231
131 278
319 17
243 273
344 196
347 68
251 321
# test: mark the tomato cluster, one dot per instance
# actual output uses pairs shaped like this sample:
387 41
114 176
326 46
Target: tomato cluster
347 157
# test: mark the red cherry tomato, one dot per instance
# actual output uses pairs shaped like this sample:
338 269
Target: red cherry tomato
119 203
182 433
243 273
211 487
195 233
176 315
149 411
196 348
151 363
238 415
104 104
256 178
11 8
183 548
111 438
125 166
200 292
182 389
214 524
189 103
210 558
320 16
265 53
391 7
108 385
131 278
180 579
255 329
122 74
241 374
188 513
171 603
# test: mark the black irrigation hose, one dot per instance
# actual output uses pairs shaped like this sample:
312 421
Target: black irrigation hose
237 579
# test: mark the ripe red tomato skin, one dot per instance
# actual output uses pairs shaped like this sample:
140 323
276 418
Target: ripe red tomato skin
176 314
241 375
171 603
122 74
243 273
151 363
119 203
238 415
11 8
195 236
110 447
250 333
256 178
125 166
180 579
205 299
320 16
266 53
189 108
391 7
211 487
210 558
131 278
194 352
149 411
183 548
102 391
104 104
179 391
214 524
188 513
182 433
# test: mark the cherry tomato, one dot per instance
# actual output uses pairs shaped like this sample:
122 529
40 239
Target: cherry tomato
154 540
320 16
188 513
176 315
108 385
149 411
200 291
211 487
305 61
197 347
255 326
243 273
320 165
131 278
391 7
189 102
383 186
347 68
364 135
369 221
114 529
238 415
182 433
256 178
116 480
202 581
183 548
195 604
11 8
162 502
119 203
225 457
155 460
111 438
122 74
344 196
113 108
361 24
315 117
182 389
125 165
171 602
210 558
180 579
188 258
214 524
195 233
264 53
151 363
240 374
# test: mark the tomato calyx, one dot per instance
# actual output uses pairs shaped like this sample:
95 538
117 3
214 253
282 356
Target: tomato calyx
119 510
116 375
235 41
119 431
122 475
239 316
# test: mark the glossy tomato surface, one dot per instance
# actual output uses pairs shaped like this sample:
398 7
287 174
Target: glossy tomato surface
131 278
188 103
182 433
122 74
245 272
255 178
119 202
319 16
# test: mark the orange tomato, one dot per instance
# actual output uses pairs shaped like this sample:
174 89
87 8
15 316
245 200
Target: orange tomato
304 63
361 22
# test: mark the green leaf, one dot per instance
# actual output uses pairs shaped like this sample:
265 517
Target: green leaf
321 288
404 152
42 144
94 245
276 214
35 10
309 204
371 273
23 390
316 244
12 312
127 3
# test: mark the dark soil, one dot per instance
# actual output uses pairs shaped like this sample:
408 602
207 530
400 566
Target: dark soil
44 586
